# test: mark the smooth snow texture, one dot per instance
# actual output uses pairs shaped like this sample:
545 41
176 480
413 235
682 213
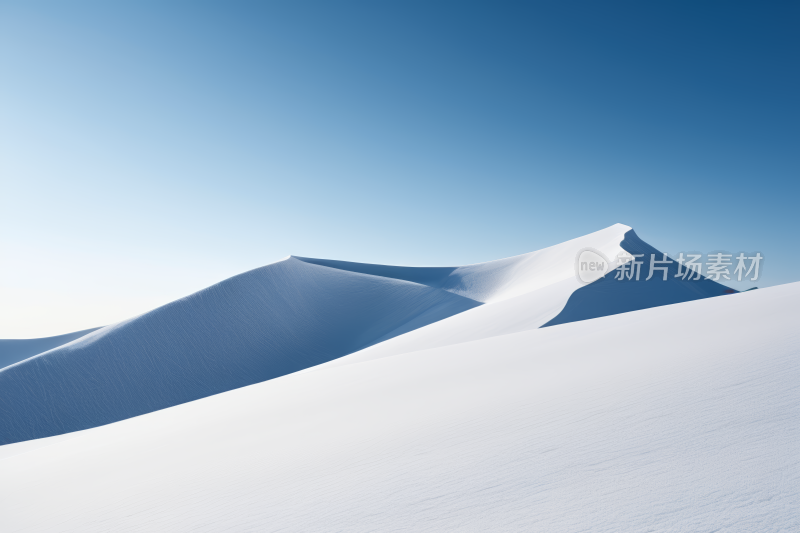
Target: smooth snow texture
271 321
678 418
302 312
256 326
15 350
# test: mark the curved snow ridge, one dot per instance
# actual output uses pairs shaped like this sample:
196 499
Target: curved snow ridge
502 279
15 350
259 325
553 295
611 296
521 293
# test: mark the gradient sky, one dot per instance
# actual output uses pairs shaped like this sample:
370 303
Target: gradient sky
150 149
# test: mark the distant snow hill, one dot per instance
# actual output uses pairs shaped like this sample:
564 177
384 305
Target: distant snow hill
301 312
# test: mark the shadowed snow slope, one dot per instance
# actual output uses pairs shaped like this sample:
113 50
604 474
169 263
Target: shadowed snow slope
16 350
256 326
677 418
610 296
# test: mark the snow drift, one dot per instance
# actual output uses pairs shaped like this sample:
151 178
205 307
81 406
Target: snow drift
302 312
677 418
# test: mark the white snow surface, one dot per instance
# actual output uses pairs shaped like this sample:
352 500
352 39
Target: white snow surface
679 418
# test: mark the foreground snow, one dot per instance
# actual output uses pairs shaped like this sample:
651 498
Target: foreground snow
678 418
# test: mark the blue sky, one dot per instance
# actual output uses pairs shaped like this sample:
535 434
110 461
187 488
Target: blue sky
150 149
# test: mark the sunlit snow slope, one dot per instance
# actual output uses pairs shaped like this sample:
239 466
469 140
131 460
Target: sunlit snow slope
677 418
301 312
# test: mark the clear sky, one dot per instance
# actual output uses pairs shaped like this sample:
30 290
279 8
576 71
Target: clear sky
150 149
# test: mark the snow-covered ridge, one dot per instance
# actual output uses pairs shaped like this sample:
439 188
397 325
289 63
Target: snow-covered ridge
298 313
546 292
502 279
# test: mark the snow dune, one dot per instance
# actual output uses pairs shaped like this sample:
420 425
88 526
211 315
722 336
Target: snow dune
16 350
676 418
256 326
302 312
546 292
